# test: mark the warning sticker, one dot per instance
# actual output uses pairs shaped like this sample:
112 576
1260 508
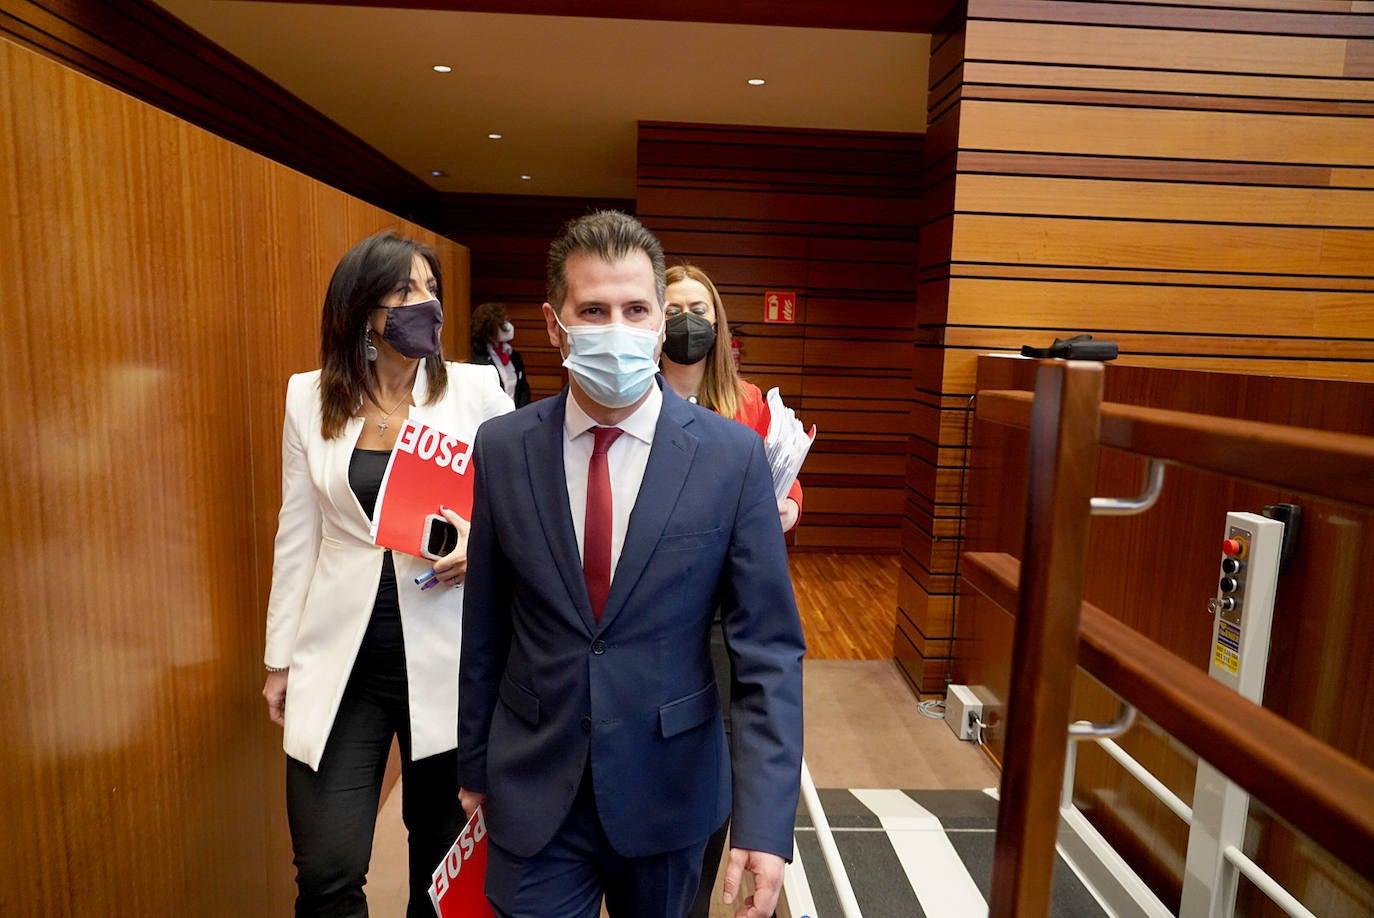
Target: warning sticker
1226 653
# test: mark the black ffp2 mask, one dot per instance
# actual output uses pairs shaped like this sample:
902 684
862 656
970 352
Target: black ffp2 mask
688 338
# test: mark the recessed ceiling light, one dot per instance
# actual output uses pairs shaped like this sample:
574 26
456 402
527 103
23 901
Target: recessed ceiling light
757 82
438 173
526 177
493 136
442 68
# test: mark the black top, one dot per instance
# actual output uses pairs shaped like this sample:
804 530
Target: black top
365 470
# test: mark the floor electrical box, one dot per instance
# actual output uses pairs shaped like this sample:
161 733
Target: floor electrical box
963 712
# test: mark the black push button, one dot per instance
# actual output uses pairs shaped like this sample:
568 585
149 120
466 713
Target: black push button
598 647
586 723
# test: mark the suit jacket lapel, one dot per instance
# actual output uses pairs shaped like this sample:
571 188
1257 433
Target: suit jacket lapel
548 483
669 459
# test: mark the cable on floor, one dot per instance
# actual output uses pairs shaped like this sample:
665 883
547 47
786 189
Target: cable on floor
933 708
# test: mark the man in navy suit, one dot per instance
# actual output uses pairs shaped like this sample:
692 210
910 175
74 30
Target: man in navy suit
589 720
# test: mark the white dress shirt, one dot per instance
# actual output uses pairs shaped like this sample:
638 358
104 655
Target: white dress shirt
626 460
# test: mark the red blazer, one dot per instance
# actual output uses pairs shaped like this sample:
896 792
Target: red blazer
753 412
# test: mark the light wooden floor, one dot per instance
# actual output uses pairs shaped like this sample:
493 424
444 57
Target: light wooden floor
848 604
863 728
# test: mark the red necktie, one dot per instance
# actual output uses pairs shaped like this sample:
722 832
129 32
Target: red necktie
596 531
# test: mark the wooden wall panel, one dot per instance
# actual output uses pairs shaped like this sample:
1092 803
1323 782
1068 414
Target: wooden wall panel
830 216
1156 572
142 50
169 281
1194 181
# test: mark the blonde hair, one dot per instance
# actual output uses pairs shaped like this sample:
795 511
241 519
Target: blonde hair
720 386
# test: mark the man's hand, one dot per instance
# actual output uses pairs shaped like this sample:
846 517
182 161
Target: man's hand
767 870
470 801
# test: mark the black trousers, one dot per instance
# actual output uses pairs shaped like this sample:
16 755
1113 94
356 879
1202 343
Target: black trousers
715 845
333 812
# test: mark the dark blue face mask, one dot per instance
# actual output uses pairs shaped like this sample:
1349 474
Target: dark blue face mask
413 330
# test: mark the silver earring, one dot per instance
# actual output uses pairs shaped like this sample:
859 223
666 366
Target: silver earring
369 348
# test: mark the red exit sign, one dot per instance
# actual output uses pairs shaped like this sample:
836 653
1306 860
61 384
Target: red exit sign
779 307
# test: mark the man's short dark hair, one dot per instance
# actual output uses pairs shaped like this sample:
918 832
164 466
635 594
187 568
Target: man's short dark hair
609 235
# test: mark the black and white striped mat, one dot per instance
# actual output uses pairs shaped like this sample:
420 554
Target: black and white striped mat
912 854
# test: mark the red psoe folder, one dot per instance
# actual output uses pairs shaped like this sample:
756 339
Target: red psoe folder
458 888
427 468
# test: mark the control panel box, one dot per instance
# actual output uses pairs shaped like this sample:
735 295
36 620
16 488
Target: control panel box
1244 602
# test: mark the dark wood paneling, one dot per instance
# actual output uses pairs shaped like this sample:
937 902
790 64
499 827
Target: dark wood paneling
161 300
883 15
832 217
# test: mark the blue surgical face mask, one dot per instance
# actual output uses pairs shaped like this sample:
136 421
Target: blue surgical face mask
614 363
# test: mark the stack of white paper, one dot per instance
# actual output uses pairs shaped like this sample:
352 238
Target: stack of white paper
786 444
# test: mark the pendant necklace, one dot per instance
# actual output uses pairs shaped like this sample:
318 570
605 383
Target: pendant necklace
386 415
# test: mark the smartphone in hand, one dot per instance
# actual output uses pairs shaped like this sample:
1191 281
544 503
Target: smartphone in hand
440 537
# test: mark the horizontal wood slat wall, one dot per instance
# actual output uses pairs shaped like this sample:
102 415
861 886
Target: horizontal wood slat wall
830 216
508 237
162 283
138 48
1194 181
1155 572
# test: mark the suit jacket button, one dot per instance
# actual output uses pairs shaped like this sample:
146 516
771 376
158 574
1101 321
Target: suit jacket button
586 723
598 647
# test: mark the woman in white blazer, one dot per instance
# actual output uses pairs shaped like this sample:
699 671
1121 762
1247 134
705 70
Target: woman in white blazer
356 652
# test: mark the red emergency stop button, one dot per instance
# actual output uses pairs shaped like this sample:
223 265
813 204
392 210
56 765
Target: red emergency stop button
1233 547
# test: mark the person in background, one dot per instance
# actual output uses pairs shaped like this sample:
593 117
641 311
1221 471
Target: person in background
698 365
356 653
492 334
608 524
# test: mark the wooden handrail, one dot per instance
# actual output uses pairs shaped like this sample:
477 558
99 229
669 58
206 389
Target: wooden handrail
1062 474
1317 789
1317 463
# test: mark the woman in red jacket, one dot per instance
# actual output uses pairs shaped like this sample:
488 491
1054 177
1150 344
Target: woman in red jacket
699 365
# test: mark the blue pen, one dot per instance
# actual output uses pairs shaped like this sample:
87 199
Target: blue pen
427 575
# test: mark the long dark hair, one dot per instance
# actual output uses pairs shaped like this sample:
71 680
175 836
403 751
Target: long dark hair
363 278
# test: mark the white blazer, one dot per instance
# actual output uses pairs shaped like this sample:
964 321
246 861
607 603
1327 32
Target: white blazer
326 569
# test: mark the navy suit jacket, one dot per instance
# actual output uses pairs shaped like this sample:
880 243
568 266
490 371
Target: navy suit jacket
545 688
